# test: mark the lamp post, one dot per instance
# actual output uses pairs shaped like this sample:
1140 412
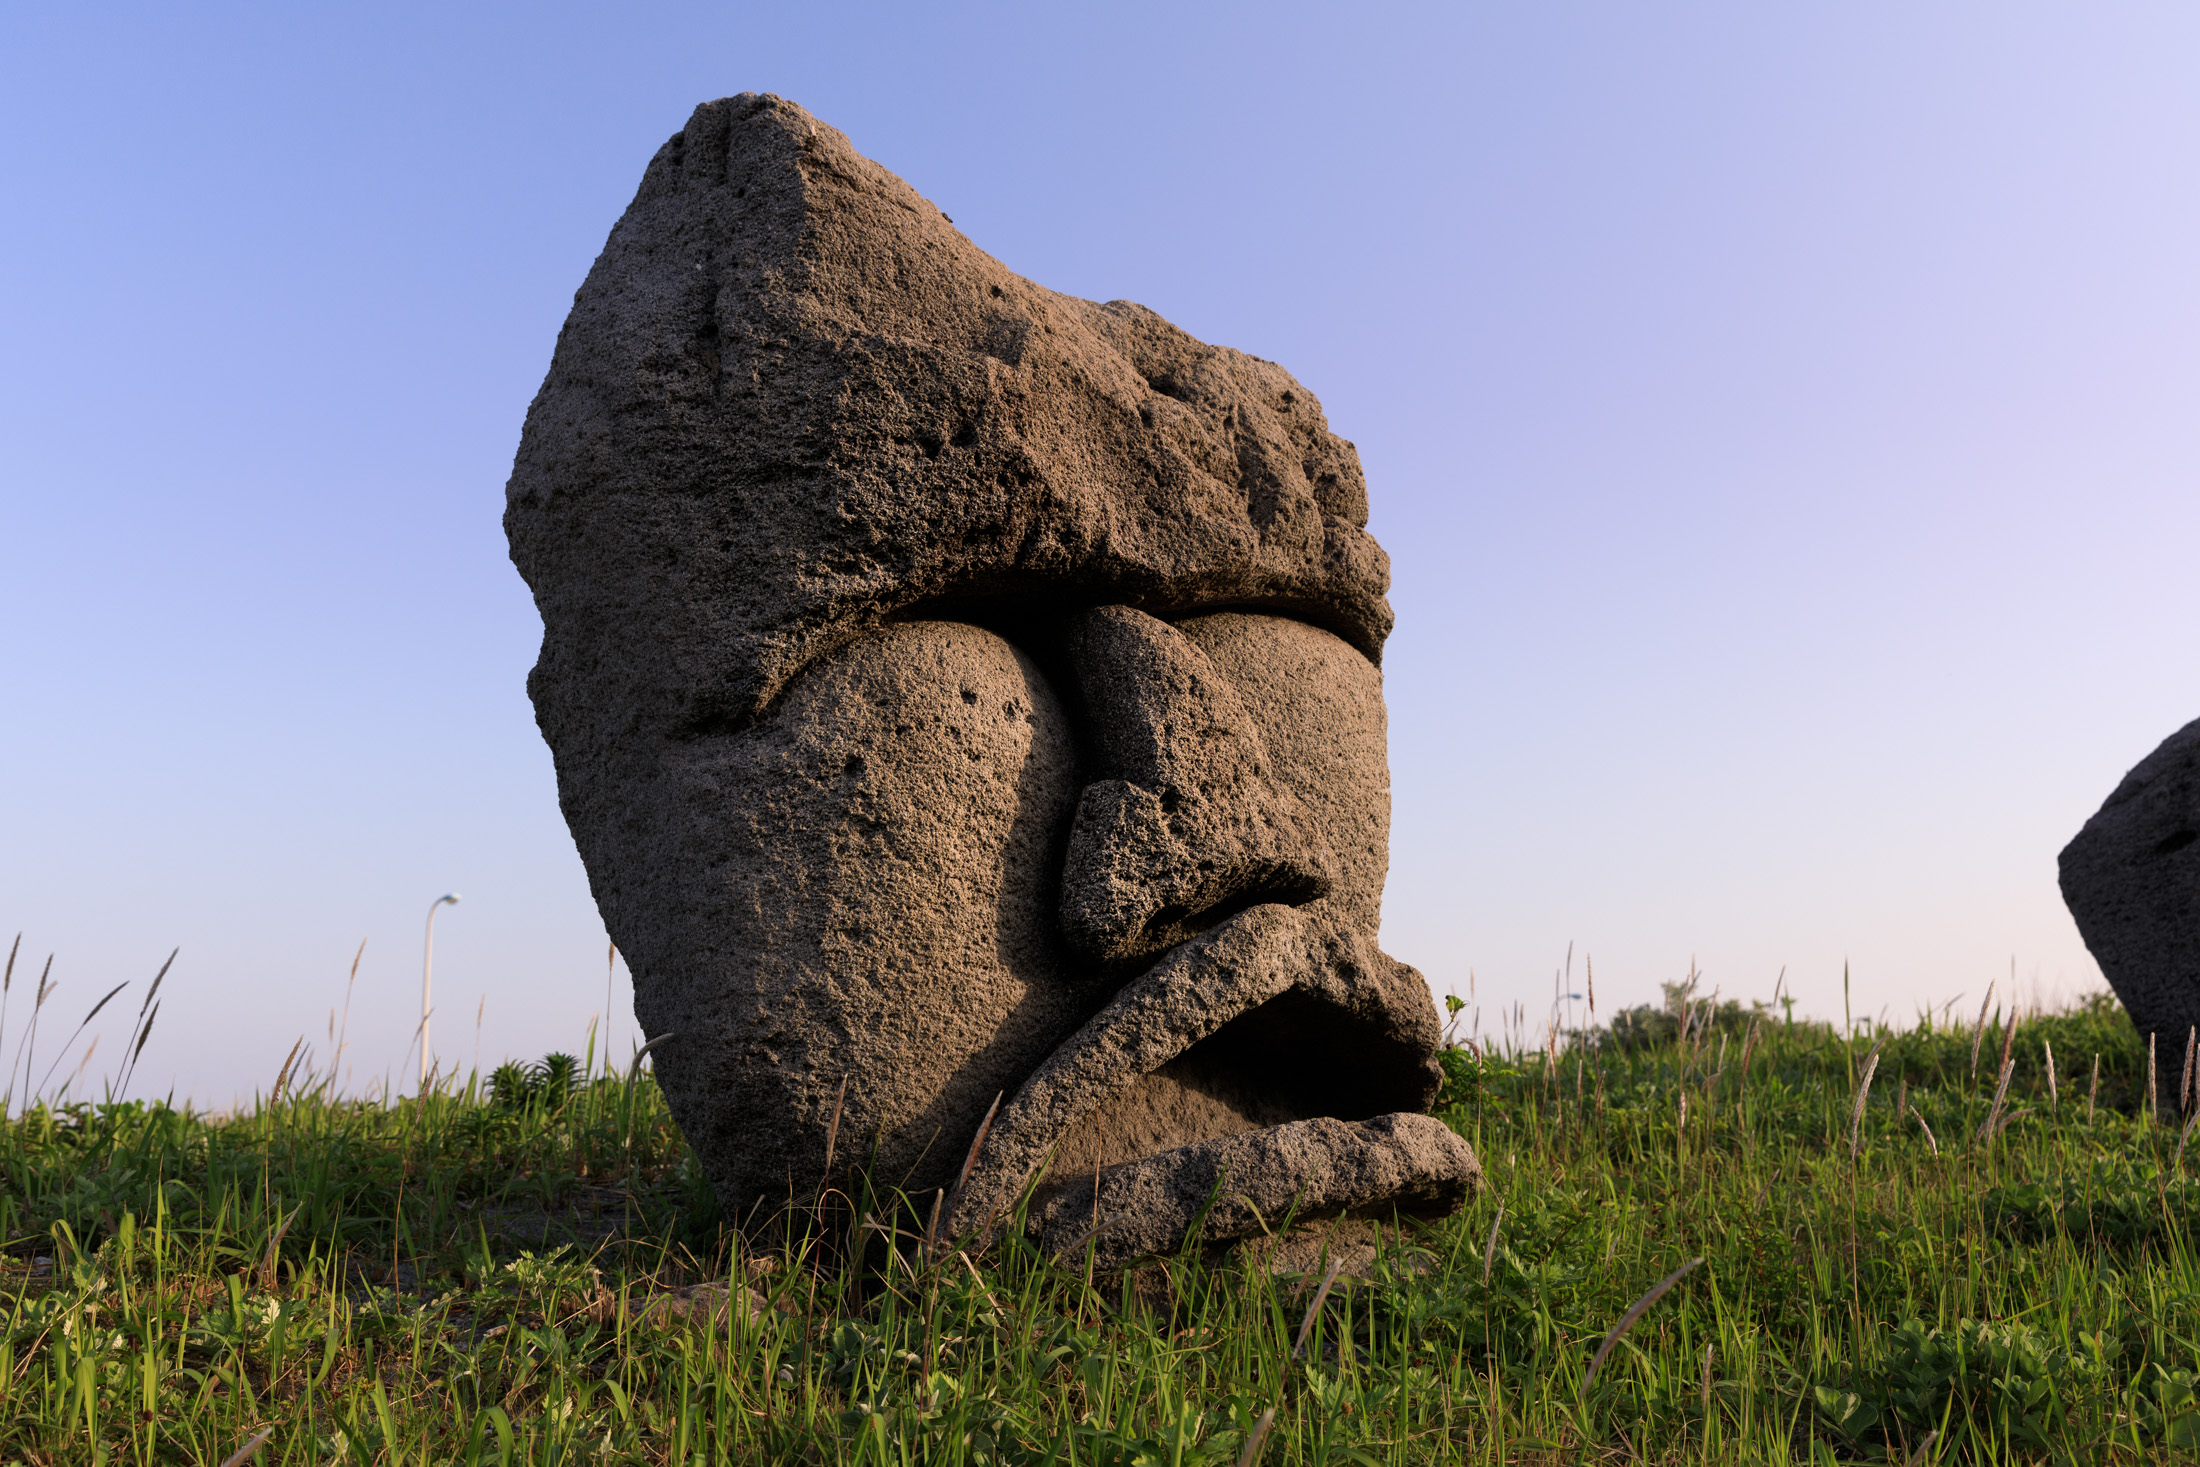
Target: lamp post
427 972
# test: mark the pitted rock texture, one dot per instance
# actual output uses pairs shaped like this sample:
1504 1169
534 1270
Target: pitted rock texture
1188 996
791 392
1245 1186
1185 817
947 680
2131 878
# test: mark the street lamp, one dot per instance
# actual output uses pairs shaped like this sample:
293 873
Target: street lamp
427 971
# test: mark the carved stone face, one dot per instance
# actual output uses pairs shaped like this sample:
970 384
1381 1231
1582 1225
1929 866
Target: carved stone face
965 696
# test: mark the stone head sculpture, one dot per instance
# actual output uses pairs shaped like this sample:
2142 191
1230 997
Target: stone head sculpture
965 701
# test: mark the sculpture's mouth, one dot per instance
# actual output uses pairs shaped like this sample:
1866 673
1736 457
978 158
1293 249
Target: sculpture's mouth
1316 1166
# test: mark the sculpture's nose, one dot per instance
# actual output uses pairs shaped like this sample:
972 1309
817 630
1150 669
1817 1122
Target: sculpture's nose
1185 824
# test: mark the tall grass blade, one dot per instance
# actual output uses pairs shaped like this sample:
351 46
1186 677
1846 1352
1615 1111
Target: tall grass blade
343 1030
932 1225
610 974
1102 1225
26 1048
634 1073
144 1021
970 1158
7 982
145 1032
82 1065
154 991
635 1068
79 1030
275 1250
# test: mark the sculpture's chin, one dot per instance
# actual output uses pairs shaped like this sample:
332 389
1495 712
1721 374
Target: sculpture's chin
1257 1182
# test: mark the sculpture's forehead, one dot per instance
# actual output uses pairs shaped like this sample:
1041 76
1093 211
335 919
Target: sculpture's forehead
792 401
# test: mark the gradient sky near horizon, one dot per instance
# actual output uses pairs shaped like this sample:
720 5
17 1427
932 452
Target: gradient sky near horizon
1782 420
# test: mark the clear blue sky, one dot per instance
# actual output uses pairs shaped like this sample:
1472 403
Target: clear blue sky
1782 420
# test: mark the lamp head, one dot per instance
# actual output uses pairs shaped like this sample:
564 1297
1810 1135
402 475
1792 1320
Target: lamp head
449 898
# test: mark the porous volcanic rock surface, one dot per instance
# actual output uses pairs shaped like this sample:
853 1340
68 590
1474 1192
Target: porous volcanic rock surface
966 700
1306 1171
2131 878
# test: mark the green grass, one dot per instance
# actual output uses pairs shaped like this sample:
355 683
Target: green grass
373 1282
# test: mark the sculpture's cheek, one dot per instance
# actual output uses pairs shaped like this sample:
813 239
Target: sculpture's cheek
1319 707
870 895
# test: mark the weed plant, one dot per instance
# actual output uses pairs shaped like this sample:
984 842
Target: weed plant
1915 1248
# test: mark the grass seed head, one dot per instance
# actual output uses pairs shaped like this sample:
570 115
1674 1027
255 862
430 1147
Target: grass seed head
1992 1128
1314 1310
1256 1437
832 1129
1978 1030
1931 1140
1863 1094
1627 1320
2151 1092
282 1078
249 1450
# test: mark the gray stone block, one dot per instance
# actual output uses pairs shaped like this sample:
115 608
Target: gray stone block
961 693
2131 878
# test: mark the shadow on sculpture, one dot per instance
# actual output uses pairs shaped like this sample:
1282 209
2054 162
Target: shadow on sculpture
965 701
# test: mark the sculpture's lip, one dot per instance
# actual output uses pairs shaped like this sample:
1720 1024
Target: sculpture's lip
1232 1187
1188 994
